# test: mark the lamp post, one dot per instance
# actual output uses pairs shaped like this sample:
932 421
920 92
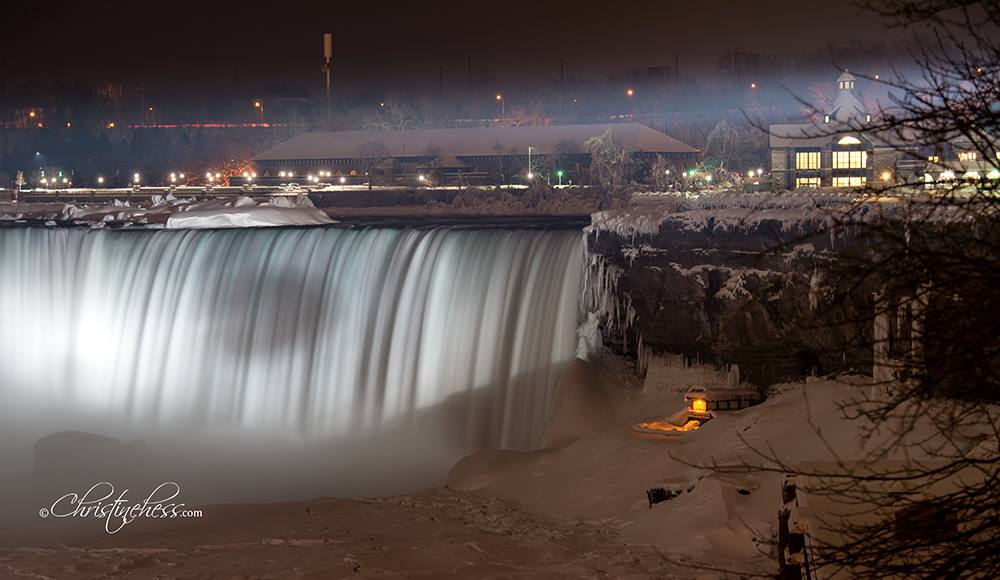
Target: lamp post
531 175
260 109
503 106
559 174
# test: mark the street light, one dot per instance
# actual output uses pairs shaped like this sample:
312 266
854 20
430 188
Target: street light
100 181
503 106
630 92
136 178
559 174
260 109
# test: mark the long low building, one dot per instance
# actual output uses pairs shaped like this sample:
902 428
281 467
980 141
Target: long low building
470 155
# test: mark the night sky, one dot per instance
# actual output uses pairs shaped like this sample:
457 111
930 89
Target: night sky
389 45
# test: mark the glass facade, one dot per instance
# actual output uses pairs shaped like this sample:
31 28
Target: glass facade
807 160
850 159
849 181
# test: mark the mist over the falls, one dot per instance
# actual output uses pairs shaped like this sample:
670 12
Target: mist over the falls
284 363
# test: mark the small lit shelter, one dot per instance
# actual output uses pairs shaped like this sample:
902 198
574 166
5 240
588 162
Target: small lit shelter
701 401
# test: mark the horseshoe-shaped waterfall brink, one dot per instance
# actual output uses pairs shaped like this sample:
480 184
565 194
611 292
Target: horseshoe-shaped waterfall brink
437 342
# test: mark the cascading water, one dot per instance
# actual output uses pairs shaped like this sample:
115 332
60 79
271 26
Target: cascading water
318 333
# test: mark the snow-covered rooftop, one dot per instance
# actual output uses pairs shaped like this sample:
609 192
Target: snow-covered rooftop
485 141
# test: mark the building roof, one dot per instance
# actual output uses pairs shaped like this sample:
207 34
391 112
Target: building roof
468 142
809 135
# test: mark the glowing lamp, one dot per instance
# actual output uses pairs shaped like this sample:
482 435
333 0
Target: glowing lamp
699 405
886 176
343 180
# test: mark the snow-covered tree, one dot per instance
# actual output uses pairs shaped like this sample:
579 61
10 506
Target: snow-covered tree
610 164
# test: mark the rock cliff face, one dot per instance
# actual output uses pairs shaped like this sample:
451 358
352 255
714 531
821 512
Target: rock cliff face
730 285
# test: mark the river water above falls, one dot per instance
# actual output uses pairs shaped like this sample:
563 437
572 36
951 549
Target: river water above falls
421 343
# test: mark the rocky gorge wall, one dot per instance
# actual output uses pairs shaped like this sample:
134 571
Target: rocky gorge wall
731 283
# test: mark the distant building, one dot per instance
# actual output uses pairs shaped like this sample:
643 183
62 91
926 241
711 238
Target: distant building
838 151
472 155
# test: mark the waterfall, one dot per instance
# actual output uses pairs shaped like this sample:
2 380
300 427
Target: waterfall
316 332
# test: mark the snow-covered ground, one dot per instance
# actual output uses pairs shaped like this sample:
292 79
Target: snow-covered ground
173 213
577 508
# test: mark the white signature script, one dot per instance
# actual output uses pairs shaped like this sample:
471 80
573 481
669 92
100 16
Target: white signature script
100 502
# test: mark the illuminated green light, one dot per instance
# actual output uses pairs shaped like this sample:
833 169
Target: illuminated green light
559 173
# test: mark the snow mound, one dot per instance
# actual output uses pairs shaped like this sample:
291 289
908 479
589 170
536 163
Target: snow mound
248 216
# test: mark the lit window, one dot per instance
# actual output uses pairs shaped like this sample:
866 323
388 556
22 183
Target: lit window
849 140
807 160
699 405
826 118
849 181
847 85
806 182
967 156
850 159
934 159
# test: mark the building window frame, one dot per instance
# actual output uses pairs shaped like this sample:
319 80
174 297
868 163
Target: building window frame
850 159
850 181
808 160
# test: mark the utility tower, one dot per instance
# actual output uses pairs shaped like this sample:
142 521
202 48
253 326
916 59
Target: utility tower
327 66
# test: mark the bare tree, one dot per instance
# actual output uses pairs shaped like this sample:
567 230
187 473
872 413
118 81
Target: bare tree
923 501
662 174
374 156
